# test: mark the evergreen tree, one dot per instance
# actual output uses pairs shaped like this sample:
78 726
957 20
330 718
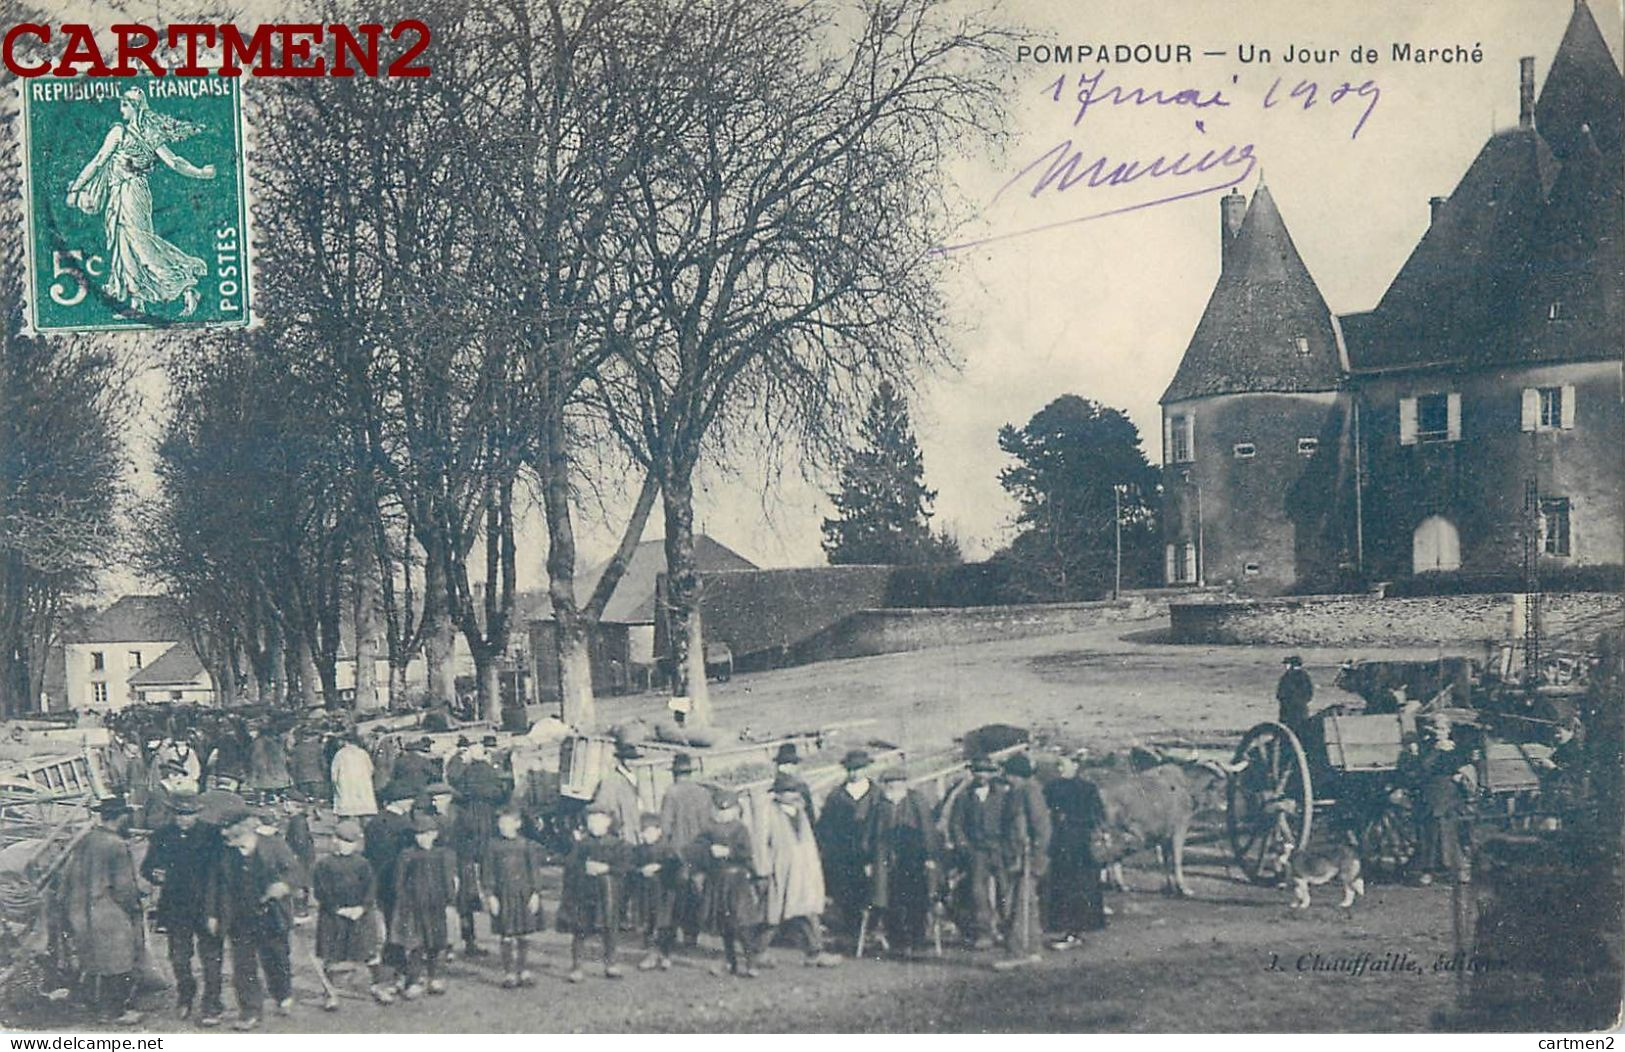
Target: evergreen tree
883 508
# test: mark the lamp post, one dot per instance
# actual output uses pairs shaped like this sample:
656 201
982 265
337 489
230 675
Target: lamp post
1118 488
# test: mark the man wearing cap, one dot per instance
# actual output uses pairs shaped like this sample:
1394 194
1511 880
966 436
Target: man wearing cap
618 792
1024 832
480 792
974 839
261 876
795 875
387 835
414 767
840 841
101 904
1293 693
901 846
685 810
184 858
788 762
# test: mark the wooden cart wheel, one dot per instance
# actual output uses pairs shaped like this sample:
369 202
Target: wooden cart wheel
1388 841
1269 800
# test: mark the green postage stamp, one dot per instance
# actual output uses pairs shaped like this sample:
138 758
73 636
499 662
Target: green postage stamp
136 203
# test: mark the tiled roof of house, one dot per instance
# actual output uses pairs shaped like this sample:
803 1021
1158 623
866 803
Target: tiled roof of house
176 666
134 619
633 601
1522 262
1266 326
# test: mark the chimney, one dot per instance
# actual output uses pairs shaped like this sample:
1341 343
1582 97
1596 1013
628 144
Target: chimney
1232 209
1434 204
1526 92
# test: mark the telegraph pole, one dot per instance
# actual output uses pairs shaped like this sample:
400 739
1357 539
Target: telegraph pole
1117 522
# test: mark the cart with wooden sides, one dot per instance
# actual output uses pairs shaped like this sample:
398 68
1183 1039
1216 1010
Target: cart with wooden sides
1351 777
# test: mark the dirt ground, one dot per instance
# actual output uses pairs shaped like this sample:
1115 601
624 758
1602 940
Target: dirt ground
1233 958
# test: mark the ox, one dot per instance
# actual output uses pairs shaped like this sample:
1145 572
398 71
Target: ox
1154 808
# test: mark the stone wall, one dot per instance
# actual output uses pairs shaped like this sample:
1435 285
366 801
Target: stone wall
866 633
1452 620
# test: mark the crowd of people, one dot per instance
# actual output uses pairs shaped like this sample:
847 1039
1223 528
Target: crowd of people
875 864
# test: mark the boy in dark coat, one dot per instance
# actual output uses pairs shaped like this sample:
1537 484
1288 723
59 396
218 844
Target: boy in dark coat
593 877
425 886
389 833
721 858
261 876
183 857
900 843
347 925
511 876
652 887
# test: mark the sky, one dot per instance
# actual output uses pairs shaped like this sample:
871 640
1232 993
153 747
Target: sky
1104 307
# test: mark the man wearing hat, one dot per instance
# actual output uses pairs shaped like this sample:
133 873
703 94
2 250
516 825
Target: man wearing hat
618 792
388 834
901 845
974 840
685 810
184 858
840 841
1024 832
1293 692
100 904
261 876
481 791
788 762
414 767
795 874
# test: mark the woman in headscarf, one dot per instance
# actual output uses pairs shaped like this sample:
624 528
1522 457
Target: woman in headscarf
1076 904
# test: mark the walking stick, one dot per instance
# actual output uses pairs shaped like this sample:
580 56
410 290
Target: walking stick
863 930
321 974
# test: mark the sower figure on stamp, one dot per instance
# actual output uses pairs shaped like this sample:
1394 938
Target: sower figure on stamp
794 872
593 877
183 857
840 842
901 843
425 887
720 860
684 811
347 925
511 875
974 822
101 905
652 887
261 875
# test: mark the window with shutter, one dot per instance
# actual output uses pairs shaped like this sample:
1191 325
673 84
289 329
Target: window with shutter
1180 433
1432 418
1170 572
1453 417
1531 408
1554 526
1407 421
1566 417
1190 561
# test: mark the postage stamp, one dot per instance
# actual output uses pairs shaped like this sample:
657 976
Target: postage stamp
136 203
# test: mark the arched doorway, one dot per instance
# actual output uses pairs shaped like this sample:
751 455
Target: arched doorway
1435 546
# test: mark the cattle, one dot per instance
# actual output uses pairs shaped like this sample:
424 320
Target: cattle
1376 681
1154 807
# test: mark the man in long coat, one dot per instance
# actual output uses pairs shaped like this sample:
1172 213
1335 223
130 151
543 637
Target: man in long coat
268 764
101 904
1293 693
974 822
618 791
185 859
261 877
480 792
353 782
840 840
1025 834
685 811
794 872
901 844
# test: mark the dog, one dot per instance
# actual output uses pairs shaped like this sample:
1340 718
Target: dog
1306 868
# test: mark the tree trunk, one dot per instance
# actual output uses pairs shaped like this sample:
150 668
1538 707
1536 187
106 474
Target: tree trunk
578 707
684 632
310 695
487 665
615 569
226 679
366 628
397 685
276 673
439 634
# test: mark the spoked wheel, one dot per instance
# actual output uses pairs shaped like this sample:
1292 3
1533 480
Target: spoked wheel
1270 800
1388 841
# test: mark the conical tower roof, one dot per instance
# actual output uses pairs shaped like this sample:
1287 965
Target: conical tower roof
1266 326
1583 89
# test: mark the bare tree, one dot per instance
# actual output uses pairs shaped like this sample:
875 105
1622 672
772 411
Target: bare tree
781 250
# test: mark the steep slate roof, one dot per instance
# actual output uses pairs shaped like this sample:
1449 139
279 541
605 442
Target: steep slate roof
1264 300
633 601
134 619
1522 231
176 666
1583 87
